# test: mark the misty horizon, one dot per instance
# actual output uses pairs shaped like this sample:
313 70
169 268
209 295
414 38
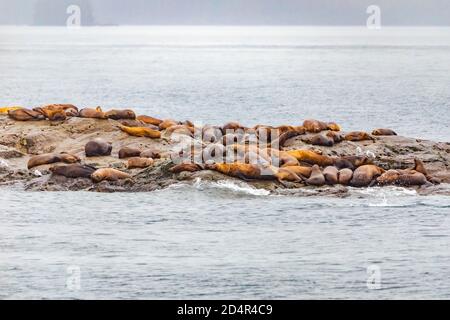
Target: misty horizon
231 12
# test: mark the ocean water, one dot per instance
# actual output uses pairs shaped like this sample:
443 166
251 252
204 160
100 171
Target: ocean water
228 240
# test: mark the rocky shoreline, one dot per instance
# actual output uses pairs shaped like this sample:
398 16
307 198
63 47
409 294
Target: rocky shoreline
21 140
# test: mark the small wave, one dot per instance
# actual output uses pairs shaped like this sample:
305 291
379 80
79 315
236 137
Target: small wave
235 187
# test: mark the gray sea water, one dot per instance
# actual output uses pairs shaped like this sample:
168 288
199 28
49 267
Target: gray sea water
226 240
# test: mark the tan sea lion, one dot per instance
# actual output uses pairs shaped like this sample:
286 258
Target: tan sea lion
244 171
333 126
151 153
5 110
138 162
283 158
149 120
49 158
384 132
128 152
121 114
389 177
345 176
331 175
311 157
358 136
97 148
300 170
212 134
52 114
336 136
25 115
317 126
231 127
96 113
283 174
364 175
179 129
190 167
232 138
73 171
213 152
317 178
167 124
141 132
109 174
286 134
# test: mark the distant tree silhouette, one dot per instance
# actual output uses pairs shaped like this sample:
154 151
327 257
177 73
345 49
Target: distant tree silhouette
54 12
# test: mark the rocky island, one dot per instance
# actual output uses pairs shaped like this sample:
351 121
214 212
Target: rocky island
62 148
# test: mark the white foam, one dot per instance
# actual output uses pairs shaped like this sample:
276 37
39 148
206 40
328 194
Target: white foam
237 187
3 164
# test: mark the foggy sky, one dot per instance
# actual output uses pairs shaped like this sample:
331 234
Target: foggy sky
226 12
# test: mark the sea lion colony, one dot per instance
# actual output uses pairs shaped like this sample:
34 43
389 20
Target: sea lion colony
250 154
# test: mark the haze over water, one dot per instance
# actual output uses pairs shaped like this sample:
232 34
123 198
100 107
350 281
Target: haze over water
226 240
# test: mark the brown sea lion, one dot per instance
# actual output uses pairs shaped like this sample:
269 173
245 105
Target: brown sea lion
179 129
231 127
364 175
149 120
384 132
138 162
190 167
317 126
151 153
128 152
331 175
137 123
281 158
300 170
358 136
96 113
109 174
97 148
351 162
5 110
244 171
49 158
402 177
389 177
286 134
121 114
73 171
283 174
188 123
213 152
212 134
311 157
320 140
336 136
317 178
141 132
25 115
345 176
232 138
167 124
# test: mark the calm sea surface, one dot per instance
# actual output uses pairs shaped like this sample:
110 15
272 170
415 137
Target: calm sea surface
226 240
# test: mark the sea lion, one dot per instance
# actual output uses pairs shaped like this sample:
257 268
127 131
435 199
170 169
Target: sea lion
233 138
136 123
4 110
25 115
311 157
141 132
281 158
286 133
213 152
149 120
384 132
231 127
304 172
73 171
179 129
52 114
188 123
167 124
151 153
345 176
97 148
316 126
388 178
364 175
121 114
96 113
320 140
402 177
212 134
109 174
351 162
331 175
358 136
283 174
336 136
128 152
138 162
49 158
317 178
190 167
244 171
